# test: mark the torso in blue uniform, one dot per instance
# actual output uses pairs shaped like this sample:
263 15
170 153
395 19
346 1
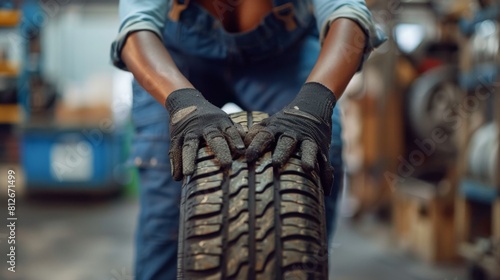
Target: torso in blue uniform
260 70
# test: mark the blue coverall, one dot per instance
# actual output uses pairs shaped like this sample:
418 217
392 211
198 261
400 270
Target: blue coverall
260 70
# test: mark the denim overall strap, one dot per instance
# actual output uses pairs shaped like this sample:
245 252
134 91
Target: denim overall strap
284 11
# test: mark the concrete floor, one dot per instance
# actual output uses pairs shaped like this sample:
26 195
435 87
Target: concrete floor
366 250
87 240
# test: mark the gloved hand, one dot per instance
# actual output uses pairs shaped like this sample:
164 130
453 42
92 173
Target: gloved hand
193 119
305 123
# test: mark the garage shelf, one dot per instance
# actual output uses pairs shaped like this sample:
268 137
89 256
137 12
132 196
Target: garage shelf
10 114
9 18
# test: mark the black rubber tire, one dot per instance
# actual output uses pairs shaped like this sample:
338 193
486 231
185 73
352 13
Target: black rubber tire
252 222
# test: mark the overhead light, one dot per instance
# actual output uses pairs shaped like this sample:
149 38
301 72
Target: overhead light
409 36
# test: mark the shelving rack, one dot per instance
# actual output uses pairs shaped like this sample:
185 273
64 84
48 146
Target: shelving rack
477 202
10 80
10 113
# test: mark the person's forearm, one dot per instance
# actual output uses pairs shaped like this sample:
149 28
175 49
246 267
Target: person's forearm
152 66
340 56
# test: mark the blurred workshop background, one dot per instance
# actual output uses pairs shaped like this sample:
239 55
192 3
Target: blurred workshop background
421 199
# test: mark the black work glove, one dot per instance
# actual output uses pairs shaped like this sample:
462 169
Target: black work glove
194 119
305 123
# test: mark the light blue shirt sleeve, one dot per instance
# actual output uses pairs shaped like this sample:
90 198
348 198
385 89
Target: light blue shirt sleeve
326 11
150 15
138 15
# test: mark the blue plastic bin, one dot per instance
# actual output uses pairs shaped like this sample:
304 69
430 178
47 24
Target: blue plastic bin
73 158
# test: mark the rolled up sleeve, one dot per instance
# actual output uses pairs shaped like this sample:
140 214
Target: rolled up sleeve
327 11
137 15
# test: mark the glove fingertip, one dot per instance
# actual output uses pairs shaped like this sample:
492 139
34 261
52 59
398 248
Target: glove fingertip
249 138
175 171
176 174
175 156
281 155
188 169
225 159
309 147
251 155
259 145
308 157
279 161
238 144
226 164
221 150
240 129
284 149
308 166
252 133
189 155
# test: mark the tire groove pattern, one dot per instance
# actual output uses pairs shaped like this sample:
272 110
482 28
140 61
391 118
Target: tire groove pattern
251 225
277 223
252 219
265 221
255 222
225 226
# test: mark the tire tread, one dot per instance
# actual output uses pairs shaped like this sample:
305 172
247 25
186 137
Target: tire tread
253 222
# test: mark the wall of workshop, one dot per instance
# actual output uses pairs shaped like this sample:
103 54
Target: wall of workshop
75 45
